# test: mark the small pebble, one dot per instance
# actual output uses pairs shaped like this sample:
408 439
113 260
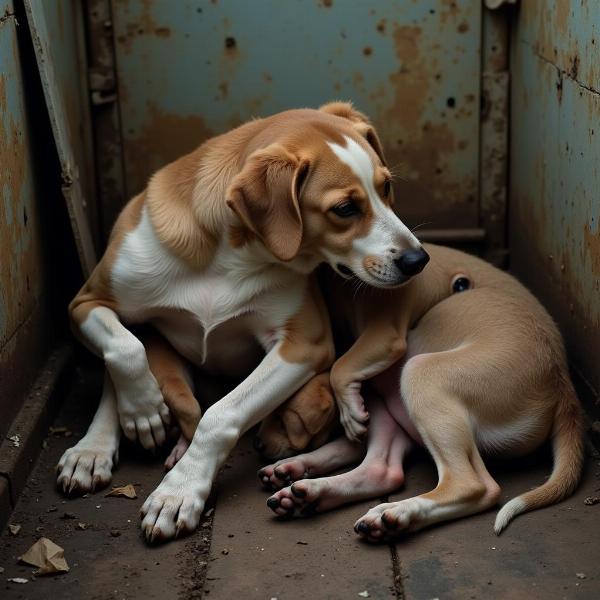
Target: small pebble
114 533
580 575
225 551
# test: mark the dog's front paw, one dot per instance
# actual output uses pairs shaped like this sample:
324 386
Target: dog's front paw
353 415
85 469
173 509
142 412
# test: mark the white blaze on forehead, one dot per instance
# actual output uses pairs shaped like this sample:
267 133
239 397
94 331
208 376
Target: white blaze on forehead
358 160
387 226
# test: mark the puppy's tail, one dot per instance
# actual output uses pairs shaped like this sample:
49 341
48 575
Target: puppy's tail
567 445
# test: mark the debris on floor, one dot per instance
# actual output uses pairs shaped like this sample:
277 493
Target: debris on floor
47 556
124 491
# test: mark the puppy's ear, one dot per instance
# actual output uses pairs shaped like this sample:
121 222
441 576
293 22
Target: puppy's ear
316 413
265 196
295 429
359 121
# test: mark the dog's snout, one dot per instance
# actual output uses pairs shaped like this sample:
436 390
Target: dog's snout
412 262
258 443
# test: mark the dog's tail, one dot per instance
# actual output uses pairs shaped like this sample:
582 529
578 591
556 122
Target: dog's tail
567 445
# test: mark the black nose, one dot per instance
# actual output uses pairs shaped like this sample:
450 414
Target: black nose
258 444
412 262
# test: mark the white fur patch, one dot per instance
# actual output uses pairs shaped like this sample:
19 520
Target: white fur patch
196 310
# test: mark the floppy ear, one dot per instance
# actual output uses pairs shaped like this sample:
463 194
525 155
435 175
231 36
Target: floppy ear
359 121
297 434
314 403
265 196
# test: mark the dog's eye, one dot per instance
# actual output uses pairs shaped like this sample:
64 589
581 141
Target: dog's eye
387 188
349 208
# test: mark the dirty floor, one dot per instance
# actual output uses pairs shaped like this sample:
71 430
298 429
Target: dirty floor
241 551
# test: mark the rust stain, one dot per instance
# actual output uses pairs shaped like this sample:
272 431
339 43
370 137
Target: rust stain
591 247
381 26
224 89
163 32
164 138
367 51
326 3
463 27
267 77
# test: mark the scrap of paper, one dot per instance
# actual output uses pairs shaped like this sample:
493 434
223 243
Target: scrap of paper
47 556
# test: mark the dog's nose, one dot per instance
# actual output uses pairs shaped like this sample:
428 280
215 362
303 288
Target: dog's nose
412 262
258 444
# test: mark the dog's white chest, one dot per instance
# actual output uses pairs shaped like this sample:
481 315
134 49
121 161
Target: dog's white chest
208 315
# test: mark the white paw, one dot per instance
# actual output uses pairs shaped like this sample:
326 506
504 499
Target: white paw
85 469
353 415
142 411
174 508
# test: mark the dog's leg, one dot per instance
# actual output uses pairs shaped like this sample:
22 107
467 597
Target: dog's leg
380 473
177 503
465 486
377 349
176 384
142 411
330 457
88 465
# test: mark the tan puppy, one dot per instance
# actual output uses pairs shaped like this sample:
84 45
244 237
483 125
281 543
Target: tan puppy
217 253
483 370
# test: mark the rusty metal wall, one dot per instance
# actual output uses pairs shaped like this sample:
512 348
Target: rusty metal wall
555 166
21 263
193 68
33 221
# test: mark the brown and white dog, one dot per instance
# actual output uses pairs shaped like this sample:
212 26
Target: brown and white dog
461 373
216 253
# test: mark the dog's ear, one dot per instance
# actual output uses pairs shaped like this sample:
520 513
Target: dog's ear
265 196
359 121
297 434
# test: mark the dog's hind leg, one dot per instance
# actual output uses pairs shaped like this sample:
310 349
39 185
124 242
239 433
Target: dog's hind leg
465 486
175 381
381 472
88 465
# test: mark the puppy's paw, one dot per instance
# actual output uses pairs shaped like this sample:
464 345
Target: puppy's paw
354 417
299 499
390 519
283 473
85 469
173 509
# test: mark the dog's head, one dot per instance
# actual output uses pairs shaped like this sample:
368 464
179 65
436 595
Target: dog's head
322 192
306 420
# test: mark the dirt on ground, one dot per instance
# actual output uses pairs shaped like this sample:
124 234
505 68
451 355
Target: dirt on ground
242 551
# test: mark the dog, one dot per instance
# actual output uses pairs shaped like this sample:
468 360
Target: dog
218 254
463 360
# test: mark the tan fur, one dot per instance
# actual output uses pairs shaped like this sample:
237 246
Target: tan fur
306 420
491 355
168 367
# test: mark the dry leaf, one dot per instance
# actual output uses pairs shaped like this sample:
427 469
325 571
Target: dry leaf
82 526
125 491
14 529
15 439
48 556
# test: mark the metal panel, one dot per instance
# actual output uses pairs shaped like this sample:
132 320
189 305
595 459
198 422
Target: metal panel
22 334
54 29
194 68
555 167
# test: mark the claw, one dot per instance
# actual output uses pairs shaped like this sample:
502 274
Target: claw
72 487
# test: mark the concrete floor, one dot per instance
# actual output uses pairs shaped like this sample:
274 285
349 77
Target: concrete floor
241 551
